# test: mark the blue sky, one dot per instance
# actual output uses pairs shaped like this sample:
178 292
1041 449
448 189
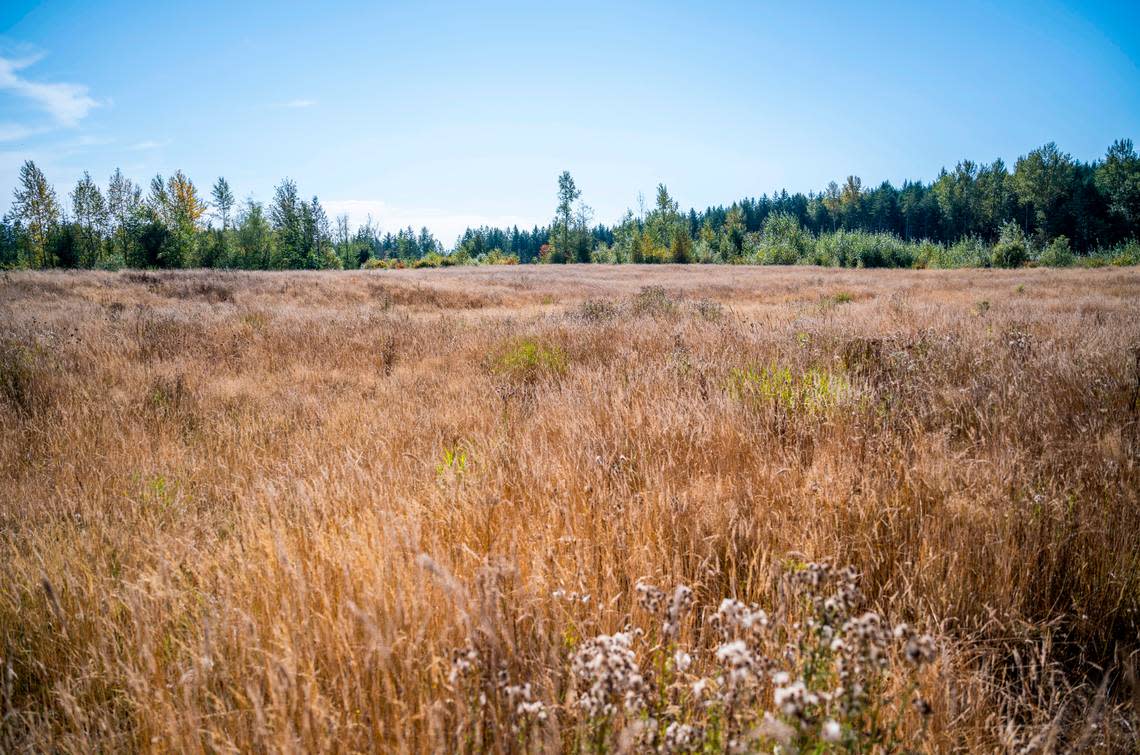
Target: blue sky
449 114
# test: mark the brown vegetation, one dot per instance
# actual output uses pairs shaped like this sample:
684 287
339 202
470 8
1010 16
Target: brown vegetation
360 511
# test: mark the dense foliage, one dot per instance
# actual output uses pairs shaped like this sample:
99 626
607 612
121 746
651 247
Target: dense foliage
1050 209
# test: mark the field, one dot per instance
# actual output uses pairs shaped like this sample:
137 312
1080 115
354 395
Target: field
448 510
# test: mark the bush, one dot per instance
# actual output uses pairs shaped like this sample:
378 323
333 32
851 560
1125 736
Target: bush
1121 255
1011 250
969 251
113 263
885 250
825 252
653 301
377 263
1127 253
862 249
841 297
782 241
497 257
435 259
1057 254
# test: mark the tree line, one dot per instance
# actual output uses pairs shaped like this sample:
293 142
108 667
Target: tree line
1050 208
173 225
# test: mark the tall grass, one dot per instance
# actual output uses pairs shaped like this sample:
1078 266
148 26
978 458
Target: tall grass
449 510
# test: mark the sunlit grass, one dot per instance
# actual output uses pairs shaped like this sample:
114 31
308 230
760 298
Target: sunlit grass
410 510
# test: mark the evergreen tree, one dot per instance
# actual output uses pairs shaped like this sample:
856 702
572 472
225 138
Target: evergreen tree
285 215
9 242
223 202
35 205
731 241
90 214
562 229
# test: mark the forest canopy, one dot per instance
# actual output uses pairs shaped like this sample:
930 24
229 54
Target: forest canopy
1049 209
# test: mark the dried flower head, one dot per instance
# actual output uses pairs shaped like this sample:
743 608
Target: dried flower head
607 666
920 649
464 662
649 597
679 606
681 737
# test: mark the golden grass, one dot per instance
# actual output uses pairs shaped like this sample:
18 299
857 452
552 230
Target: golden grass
244 511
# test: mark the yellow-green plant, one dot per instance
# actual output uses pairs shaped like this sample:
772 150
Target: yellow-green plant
811 391
453 465
527 360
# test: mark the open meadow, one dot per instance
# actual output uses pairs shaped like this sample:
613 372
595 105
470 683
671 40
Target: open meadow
501 509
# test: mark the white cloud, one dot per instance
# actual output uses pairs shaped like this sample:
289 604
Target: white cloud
149 144
445 225
10 132
295 104
67 104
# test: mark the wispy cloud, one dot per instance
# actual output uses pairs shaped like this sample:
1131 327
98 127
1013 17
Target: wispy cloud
298 104
10 132
447 226
67 104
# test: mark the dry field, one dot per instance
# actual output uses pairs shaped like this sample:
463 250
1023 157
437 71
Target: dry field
364 511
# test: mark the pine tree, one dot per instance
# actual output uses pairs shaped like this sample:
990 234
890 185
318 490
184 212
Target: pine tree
223 201
34 203
560 233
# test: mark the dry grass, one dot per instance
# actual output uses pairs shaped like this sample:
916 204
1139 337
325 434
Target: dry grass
263 511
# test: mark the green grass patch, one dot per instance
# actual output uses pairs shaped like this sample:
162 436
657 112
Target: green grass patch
528 360
811 391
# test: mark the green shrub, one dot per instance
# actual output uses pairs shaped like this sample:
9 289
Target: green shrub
826 250
1122 255
497 257
969 251
1057 253
782 241
389 263
863 249
1011 250
842 297
434 259
113 263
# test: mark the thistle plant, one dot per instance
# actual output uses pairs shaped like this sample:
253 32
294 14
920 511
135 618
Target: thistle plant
813 672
